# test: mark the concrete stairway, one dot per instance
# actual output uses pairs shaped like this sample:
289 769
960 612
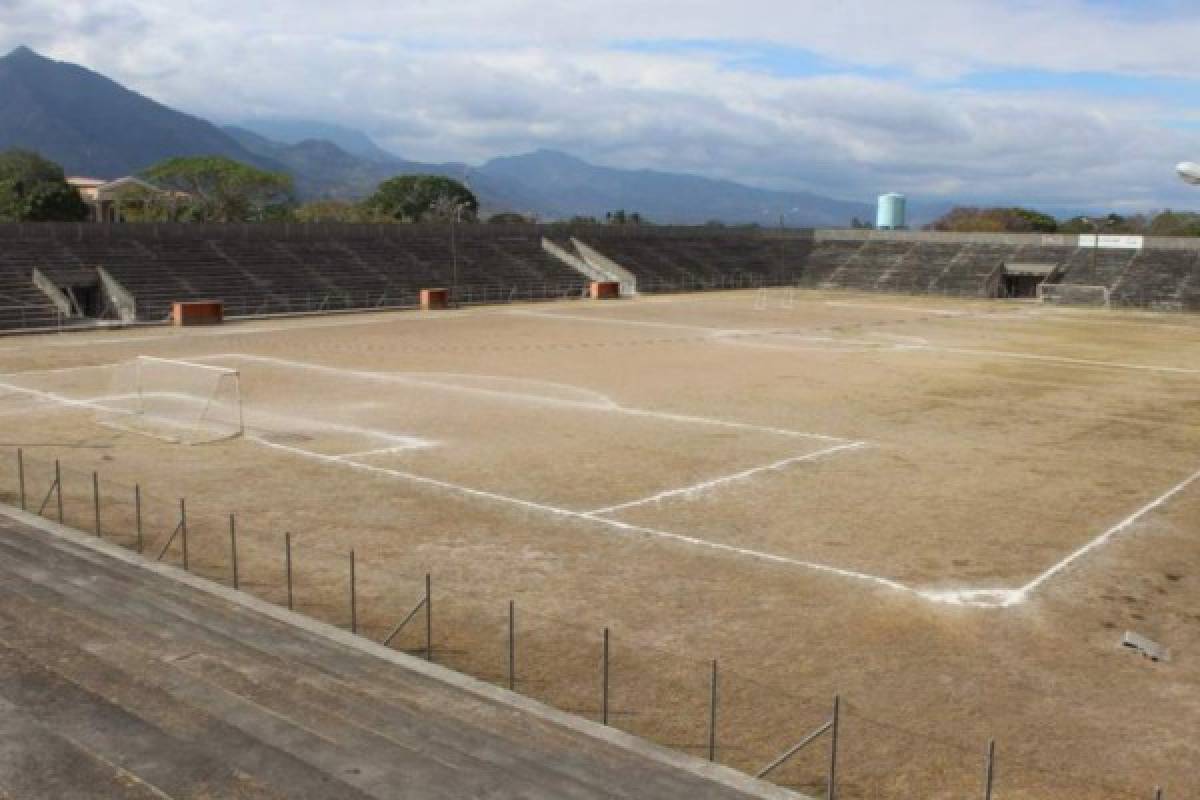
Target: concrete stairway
127 680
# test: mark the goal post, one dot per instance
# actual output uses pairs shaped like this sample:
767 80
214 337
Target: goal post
1074 294
179 401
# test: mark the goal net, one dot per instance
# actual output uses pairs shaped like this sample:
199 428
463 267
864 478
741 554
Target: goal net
178 401
1073 294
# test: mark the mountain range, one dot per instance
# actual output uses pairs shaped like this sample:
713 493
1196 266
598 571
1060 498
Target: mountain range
93 126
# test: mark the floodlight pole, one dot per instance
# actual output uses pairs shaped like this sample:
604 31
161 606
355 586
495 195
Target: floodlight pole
454 253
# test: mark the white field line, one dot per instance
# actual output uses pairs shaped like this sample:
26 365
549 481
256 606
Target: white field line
623 527
630 323
416 445
174 362
247 328
608 405
736 336
700 488
1066 360
1112 532
915 309
984 598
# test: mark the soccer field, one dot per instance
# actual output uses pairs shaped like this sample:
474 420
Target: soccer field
948 511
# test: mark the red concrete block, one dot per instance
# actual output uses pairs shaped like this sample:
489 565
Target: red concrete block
202 312
435 299
605 290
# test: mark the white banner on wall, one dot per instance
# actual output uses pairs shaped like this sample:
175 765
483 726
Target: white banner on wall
1112 242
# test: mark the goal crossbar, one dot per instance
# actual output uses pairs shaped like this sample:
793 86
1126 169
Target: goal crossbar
174 400
1074 294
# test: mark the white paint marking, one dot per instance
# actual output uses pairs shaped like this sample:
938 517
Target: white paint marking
1115 530
417 444
914 309
174 362
610 523
630 323
700 488
603 403
981 598
1080 362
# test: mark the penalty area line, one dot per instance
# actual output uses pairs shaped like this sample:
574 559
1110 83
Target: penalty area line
705 486
1111 533
616 525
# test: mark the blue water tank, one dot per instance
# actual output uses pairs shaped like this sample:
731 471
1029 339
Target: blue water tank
892 212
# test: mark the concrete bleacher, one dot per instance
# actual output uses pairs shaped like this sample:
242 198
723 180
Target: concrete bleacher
123 680
691 259
1160 279
267 269
280 268
1162 275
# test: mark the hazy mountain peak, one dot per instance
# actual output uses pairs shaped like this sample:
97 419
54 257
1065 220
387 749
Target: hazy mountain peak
287 130
23 52
92 125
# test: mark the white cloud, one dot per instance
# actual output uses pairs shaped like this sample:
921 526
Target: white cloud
470 81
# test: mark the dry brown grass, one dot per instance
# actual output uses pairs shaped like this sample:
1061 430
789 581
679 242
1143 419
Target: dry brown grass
1001 438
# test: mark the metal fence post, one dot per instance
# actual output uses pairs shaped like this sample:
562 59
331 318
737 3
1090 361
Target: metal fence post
137 515
233 554
353 596
604 683
712 713
831 788
58 489
183 531
428 617
21 477
287 560
96 499
512 645
989 770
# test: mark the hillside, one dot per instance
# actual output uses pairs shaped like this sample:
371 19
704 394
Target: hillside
565 186
92 125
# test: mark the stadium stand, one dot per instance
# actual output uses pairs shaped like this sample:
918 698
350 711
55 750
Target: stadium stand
1161 279
168 687
690 259
277 269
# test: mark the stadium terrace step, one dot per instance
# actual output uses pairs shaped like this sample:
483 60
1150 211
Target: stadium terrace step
35 763
280 269
182 693
311 667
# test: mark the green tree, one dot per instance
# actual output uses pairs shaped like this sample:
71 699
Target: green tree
220 189
622 217
33 189
1175 223
510 218
138 203
995 220
1109 223
336 211
423 198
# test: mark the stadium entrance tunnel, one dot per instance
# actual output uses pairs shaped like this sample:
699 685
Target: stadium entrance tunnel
1021 281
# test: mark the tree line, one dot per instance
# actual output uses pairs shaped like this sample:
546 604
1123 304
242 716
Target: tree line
1023 220
219 189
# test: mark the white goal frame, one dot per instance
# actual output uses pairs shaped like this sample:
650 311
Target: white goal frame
1074 294
139 405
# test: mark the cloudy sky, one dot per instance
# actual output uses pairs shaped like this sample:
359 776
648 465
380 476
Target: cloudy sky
1057 103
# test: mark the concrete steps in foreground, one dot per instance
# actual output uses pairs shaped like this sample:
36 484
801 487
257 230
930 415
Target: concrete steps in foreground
124 679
